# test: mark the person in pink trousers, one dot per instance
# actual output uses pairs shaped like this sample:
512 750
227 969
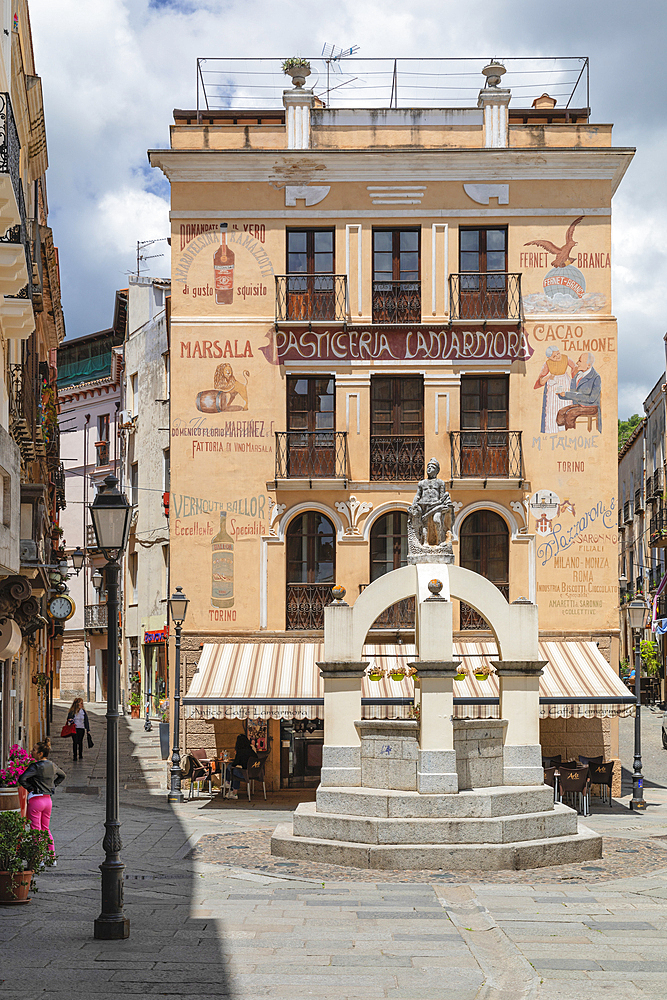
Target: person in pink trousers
41 778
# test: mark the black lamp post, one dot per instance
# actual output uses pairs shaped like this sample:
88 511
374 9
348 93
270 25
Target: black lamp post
78 559
178 607
110 514
636 615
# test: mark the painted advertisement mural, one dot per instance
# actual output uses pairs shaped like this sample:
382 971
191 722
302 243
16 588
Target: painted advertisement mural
572 280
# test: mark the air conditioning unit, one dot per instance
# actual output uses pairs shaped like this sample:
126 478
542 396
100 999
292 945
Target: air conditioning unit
125 419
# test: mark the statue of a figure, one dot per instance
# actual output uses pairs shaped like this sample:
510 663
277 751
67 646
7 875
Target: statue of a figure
430 519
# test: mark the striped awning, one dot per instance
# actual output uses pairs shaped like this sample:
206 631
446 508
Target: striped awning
275 680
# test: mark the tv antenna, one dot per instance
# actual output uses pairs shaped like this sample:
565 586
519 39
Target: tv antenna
141 256
333 55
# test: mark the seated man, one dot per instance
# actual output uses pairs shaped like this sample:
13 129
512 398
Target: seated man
585 391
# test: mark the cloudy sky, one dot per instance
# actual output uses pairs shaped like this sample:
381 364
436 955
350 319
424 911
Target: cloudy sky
113 70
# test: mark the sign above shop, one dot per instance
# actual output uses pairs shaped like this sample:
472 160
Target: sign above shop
403 343
153 637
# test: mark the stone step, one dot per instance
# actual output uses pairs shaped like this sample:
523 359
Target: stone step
561 821
504 800
585 845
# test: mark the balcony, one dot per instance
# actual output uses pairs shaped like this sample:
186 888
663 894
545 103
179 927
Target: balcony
639 501
96 616
311 455
23 414
306 603
486 454
627 512
470 620
397 459
397 302
658 529
311 298
485 296
654 486
15 255
101 454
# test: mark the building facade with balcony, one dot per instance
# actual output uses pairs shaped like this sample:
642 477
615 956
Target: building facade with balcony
89 397
32 493
144 447
642 522
355 291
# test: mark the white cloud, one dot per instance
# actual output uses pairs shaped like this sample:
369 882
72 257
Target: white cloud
130 210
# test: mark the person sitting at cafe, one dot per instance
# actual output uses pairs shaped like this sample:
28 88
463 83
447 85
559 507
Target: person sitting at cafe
237 770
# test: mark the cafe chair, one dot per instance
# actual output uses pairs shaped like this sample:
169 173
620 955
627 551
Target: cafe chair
204 762
602 775
194 772
551 761
591 760
550 779
573 781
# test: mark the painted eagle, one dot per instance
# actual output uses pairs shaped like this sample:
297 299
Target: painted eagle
562 253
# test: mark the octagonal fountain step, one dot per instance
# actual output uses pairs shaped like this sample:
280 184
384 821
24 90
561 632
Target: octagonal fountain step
309 822
585 845
502 800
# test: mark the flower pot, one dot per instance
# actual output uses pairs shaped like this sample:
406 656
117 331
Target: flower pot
395 676
375 676
459 677
14 887
299 74
135 712
23 799
9 799
482 677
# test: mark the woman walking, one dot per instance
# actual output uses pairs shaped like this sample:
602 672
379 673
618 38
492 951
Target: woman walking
41 778
78 715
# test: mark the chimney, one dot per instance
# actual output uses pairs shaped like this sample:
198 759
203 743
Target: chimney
545 102
494 100
298 103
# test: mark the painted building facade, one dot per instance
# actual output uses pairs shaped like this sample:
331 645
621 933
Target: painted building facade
356 291
32 488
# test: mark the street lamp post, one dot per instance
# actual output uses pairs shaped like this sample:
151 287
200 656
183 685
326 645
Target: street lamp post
78 559
178 606
636 615
110 514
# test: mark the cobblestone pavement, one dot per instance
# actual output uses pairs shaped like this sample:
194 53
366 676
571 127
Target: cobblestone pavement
229 929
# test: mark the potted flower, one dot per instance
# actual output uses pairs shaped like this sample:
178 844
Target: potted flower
397 674
135 705
12 795
23 852
460 676
298 68
482 673
375 673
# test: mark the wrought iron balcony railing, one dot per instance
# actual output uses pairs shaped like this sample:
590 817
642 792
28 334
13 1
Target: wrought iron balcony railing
658 529
654 486
470 620
639 501
397 302
485 295
23 413
306 603
627 512
96 616
486 454
311 298
311 454
10 159
397 459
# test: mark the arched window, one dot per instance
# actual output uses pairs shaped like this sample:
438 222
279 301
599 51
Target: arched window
311 569
485 549
389 551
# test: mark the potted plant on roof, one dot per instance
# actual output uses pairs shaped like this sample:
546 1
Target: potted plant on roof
298 68
23 852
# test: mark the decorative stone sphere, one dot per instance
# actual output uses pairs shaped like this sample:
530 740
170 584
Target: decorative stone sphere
435 586
566 280
338 592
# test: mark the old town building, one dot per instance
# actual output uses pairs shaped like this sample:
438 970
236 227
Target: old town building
32 490
354 291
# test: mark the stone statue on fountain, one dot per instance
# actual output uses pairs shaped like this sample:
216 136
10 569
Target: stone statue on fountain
430 520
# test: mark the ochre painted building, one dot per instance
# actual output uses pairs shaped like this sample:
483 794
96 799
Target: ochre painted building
354 292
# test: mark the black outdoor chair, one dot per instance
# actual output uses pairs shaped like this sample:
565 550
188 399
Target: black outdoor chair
591 761
573 781
552 761
602 775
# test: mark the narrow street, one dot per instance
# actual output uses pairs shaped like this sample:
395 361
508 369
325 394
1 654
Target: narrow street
213 915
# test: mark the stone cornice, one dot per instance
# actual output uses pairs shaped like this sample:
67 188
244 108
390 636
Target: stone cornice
410 164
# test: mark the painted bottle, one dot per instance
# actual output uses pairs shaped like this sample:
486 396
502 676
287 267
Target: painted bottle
223 272
222 571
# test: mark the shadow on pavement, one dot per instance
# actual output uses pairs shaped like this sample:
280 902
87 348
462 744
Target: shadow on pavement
49 948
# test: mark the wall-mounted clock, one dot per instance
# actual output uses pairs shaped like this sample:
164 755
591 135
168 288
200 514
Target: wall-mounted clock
61 607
